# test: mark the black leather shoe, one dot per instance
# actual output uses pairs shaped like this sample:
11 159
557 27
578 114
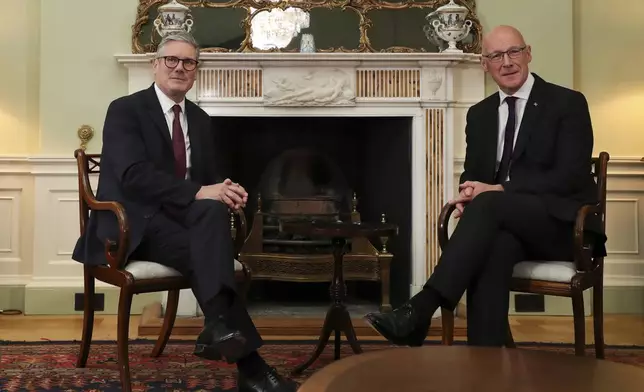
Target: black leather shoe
269 381
402 327
216 341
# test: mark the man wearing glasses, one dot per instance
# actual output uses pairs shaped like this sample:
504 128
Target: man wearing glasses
527 171
158 161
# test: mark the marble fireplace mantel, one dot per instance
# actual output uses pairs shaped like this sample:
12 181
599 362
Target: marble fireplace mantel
434 89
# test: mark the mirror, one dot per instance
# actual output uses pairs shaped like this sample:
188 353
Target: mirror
284 30
307 25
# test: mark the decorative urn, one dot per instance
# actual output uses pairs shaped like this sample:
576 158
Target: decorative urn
430 32
173 17
450 24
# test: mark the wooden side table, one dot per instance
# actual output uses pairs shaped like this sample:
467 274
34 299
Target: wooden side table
337 317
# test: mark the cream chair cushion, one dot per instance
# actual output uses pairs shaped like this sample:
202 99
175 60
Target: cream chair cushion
551 271
141 269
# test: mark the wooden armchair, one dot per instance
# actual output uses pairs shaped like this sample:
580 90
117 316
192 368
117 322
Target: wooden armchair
558 278
132 276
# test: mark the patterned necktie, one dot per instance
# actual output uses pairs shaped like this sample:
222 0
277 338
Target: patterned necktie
178 144
508 143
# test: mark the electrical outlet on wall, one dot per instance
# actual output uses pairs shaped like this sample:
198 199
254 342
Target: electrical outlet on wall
99 302
529 303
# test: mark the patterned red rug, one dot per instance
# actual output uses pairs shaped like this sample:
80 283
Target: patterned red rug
49 366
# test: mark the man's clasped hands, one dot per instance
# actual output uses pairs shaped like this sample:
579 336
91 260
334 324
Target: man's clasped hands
228 192
468 191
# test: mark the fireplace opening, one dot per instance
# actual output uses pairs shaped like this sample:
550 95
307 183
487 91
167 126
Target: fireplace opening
320 168
301 184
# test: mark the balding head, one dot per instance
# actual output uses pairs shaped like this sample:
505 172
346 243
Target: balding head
506 57
502 36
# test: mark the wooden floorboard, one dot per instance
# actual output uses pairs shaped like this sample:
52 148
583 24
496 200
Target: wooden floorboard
152 320
619 329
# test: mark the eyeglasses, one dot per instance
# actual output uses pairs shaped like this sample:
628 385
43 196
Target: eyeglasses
512 53
173 61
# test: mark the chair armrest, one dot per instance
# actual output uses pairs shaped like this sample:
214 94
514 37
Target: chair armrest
241 231
583 252
443 224
115 252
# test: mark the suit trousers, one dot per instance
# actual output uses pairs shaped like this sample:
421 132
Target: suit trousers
197 242
496 231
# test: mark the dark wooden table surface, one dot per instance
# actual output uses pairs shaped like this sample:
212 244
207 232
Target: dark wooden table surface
462 368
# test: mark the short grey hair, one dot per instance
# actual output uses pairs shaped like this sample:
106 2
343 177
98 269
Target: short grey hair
178 36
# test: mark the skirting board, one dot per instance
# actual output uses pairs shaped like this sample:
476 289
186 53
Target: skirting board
152 320
60 301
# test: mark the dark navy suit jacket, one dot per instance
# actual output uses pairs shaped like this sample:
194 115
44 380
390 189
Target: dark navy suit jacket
552 154
137 169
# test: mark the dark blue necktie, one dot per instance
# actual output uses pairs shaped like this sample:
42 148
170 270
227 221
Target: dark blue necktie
508 144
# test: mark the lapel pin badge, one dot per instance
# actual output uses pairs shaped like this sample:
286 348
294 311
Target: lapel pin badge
535 104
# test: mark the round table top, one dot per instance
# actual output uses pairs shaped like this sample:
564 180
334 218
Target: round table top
462 368
339 229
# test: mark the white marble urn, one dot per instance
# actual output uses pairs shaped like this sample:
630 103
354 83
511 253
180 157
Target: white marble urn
173 17
450 24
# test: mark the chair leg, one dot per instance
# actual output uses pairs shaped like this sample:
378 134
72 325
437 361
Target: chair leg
385 285
88 317
168 322
447 320
598 318
122 336
579 322
509 340
246 285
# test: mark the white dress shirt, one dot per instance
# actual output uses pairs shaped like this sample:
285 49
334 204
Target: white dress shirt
166 107
522 99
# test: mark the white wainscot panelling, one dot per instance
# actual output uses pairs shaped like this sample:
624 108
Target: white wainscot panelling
39 225
622 226
16 221
57 226
624 217
10 238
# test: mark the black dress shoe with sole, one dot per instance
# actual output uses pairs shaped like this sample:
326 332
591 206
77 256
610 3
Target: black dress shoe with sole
268 381
218 342
402 327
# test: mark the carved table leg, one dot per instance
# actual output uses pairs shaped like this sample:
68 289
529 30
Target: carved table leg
337 317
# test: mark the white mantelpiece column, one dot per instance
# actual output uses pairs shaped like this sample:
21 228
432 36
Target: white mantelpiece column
434 89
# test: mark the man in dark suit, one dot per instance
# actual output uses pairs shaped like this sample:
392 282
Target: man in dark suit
158 162
527 172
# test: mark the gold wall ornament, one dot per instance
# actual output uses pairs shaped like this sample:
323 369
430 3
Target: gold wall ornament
85 134
145 39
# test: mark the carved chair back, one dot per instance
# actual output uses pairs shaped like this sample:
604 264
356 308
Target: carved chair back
600 172
87 164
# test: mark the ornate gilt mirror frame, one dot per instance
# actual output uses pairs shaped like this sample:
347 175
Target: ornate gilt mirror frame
251 8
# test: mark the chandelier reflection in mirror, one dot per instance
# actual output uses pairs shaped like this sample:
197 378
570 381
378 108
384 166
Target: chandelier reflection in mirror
275 29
